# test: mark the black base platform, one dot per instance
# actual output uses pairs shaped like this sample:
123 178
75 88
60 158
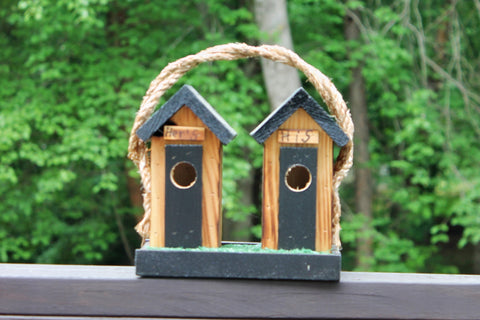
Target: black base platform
236 265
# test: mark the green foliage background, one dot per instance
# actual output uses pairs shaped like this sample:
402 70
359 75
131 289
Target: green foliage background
73 73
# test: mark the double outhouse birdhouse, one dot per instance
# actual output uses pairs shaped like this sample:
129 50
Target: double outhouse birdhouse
178 151
298 142
186 136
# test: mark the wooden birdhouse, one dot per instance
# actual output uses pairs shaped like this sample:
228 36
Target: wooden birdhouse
181 174
186 136
298 142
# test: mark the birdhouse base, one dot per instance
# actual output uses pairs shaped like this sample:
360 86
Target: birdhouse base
237 264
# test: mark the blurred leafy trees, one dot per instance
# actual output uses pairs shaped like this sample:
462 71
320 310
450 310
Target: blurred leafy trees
73 73
420 64
72 76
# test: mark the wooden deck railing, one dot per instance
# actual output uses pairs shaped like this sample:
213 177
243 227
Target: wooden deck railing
93 292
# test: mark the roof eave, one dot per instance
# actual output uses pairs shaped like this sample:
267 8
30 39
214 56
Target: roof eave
188 96
299 99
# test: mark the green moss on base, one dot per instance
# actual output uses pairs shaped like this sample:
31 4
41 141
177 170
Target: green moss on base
241 248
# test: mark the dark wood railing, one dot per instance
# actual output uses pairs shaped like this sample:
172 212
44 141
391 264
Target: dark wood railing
93 292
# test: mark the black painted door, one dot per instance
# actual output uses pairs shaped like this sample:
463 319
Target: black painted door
183 196
297 198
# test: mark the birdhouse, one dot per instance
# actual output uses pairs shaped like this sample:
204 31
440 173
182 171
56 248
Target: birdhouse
298 142
179 155
186 136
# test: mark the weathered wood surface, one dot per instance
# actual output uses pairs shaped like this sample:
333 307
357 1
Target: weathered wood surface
271 178
103 291
301 136
157 166
184 133
323 240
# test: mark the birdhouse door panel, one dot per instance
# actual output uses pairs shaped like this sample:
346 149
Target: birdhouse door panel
297 198
183 196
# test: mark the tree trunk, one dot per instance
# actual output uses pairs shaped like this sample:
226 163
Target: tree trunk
240 229
272 20
363 177
280 80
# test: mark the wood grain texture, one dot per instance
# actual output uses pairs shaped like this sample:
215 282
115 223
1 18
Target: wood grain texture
271 170
299 120
157 166
323 236
305 136
183 133
185 117
212 177
212 191
105 291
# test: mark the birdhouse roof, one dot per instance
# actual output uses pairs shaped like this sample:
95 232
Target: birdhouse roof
187 96
300 99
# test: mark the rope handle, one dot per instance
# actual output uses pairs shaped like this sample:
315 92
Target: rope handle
175 70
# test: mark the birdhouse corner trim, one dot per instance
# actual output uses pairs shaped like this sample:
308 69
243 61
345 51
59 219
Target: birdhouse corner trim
300 99
187 96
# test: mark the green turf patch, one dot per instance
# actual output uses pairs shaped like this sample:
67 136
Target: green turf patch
241 248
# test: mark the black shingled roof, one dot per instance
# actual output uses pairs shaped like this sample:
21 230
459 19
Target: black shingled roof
187 96
300 99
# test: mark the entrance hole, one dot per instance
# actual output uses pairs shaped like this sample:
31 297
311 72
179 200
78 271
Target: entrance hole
183 175
298 178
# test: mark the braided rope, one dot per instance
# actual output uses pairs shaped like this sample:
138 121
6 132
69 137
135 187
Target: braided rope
174 71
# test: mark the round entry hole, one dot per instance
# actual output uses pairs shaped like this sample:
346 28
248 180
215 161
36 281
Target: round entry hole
183 175
298 178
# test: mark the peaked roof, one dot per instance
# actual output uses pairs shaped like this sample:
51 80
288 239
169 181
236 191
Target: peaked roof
300 99
187 96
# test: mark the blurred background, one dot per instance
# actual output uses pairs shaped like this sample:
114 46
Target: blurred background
73 74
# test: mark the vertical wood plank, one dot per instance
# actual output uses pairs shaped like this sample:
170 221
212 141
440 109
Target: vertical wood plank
186 117
212 191
323 237
157 166
270 193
